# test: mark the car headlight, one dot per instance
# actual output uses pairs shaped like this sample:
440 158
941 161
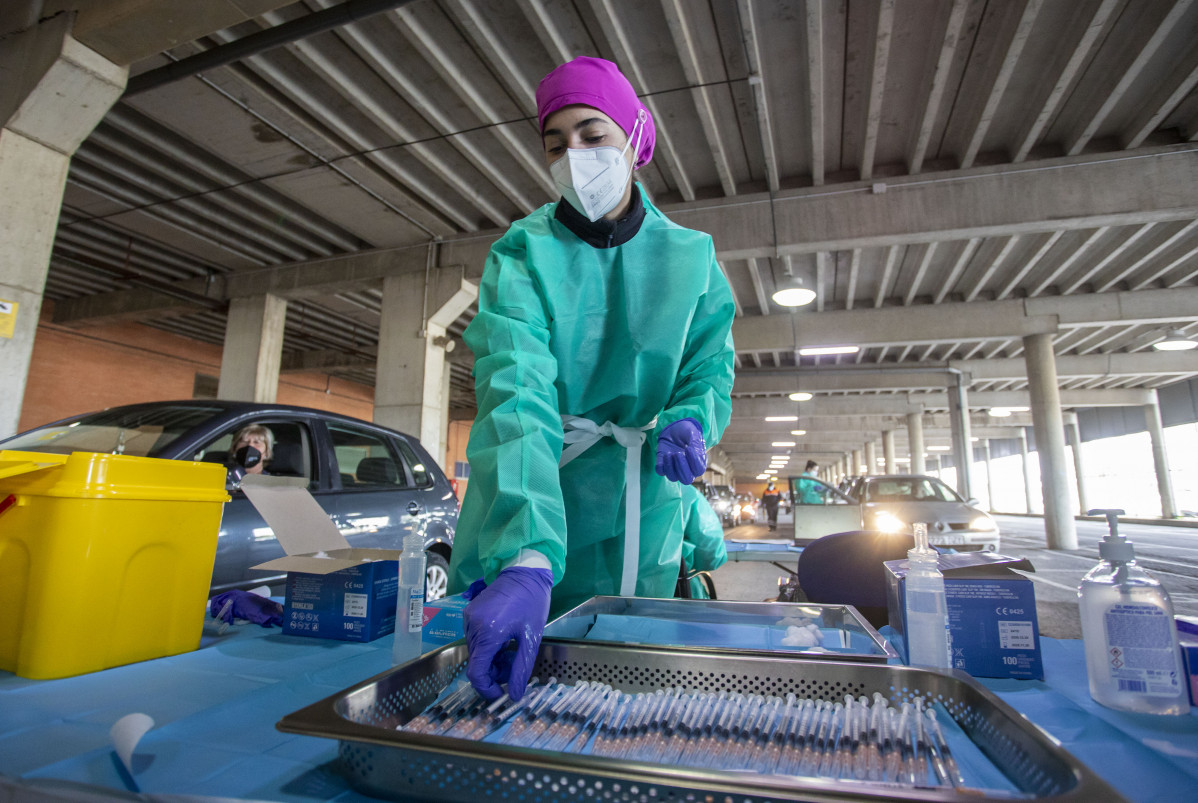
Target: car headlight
889 523
983 524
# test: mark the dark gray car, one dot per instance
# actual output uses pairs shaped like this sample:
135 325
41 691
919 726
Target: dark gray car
376 484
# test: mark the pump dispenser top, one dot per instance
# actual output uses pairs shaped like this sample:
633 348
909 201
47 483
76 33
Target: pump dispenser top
1113 546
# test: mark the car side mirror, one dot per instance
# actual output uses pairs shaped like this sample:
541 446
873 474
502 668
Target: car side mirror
973 502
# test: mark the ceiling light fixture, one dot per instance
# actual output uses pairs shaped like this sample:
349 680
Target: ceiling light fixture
939 448
798 432
801 395
782 444
781 418
792 293
763 476
1000 412
818 351
1176 340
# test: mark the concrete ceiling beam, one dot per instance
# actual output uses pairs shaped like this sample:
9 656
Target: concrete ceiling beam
1069 193
758 409
829 381
955 322
883 377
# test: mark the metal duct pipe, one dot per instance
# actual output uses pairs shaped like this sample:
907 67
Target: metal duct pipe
255 43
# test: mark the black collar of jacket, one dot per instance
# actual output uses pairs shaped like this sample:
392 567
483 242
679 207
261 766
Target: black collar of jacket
603 233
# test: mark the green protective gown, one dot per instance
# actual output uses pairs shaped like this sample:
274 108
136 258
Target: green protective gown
622 334
703 546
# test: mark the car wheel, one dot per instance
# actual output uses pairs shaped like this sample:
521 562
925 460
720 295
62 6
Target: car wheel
436 576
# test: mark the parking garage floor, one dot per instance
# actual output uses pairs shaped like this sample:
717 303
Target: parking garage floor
1170 552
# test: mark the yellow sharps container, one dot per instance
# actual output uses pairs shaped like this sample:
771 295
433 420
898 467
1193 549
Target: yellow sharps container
104 559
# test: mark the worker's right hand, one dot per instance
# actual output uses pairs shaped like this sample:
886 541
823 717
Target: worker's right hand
515 606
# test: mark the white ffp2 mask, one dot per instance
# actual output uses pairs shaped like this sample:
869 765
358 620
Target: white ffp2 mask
592 180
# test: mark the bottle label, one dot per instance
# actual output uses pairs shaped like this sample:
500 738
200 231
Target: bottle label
416 609
1139 650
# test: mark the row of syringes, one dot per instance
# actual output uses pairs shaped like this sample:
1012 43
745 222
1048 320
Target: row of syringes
855 739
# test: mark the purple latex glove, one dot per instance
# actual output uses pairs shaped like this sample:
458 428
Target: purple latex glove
256 609
681 452
515 606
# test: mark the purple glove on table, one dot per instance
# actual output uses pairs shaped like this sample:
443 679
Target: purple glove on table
681 452
515 606
256 609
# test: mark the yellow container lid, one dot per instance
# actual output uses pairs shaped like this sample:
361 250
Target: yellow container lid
91 475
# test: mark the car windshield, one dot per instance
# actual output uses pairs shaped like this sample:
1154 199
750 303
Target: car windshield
140 431
908 489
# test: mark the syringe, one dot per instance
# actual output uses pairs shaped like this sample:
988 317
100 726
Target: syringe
434 714
943 752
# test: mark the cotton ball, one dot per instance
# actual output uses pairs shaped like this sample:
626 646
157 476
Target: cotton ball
794 621
799 637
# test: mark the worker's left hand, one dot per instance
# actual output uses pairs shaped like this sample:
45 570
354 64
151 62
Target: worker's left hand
681 452
515 606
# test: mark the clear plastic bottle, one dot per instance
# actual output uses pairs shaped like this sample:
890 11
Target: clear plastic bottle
928 638
409 609
1132 655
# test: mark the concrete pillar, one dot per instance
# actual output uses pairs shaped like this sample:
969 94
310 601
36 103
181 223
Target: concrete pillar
871 457
1027 474
915 438
1049 426
958 417
253 352
989 474
857 460
53 92
888 451
1160 460
411 378
1074 437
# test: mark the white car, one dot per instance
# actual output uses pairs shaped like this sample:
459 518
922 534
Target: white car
891 503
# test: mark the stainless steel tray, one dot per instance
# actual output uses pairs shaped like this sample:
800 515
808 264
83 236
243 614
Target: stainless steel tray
381 761
746 627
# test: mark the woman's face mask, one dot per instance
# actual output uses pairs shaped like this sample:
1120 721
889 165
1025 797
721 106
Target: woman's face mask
592 180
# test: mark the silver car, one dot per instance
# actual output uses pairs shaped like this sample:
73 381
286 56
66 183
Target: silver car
892 502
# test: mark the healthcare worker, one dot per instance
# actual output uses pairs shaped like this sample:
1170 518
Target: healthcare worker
603 366
809 490
703 548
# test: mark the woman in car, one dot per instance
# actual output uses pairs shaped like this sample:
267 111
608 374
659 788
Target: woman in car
260 438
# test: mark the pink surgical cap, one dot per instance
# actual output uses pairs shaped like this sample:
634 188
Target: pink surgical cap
599 84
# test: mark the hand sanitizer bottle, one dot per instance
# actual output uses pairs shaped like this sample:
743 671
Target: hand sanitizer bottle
928 638
409 609
1132 656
